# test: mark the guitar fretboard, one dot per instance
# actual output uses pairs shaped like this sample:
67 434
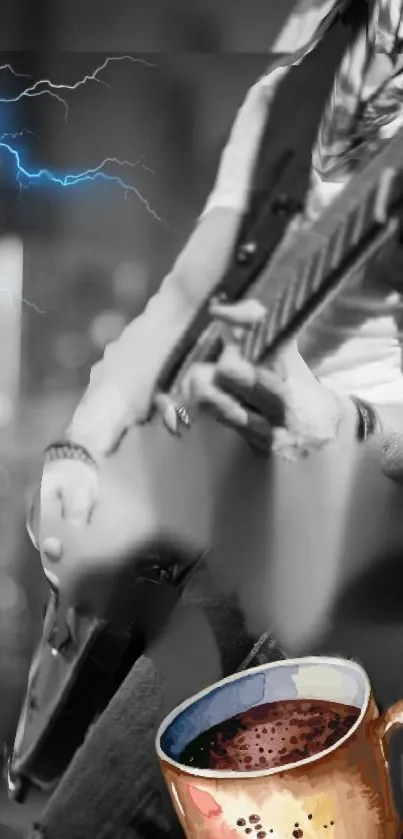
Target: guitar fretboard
322 259
325 257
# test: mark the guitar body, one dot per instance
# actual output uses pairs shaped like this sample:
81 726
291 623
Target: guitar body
286 536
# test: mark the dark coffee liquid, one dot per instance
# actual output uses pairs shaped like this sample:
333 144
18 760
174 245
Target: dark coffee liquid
271 735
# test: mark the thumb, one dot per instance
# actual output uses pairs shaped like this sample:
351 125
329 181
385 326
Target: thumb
166 407
242 313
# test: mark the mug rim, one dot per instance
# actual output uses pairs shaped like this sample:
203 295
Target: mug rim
221 774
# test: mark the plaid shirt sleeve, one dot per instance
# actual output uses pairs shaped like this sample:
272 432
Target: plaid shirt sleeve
308 17
387 26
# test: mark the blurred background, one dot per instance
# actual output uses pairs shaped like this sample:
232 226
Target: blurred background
77 262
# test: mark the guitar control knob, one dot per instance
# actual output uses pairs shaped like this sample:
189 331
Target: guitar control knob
32 703
246 252
17 786
285 205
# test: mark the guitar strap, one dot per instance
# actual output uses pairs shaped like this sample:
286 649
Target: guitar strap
111 785
281 176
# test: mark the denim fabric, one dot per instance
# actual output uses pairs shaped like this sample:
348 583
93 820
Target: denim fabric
113 788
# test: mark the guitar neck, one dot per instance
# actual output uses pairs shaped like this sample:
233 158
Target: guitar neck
327 255
322 259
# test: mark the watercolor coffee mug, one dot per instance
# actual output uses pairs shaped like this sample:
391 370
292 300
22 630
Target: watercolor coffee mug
340 792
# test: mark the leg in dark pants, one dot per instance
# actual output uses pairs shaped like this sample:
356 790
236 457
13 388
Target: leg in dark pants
113 788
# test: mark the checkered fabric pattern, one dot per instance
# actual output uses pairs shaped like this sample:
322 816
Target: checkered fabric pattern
367 92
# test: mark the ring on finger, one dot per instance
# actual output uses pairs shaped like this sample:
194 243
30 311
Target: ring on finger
183 415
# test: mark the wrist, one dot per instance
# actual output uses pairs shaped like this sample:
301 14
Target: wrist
347 420
100 421
73 438
68 450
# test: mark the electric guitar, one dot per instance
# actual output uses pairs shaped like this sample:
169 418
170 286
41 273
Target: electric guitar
286 536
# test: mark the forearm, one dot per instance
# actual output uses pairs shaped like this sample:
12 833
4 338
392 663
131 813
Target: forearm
122 384
127 373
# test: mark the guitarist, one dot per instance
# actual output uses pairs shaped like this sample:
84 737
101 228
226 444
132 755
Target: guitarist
366 99
282 408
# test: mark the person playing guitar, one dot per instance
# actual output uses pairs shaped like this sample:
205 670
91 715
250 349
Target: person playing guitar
282 407
122 385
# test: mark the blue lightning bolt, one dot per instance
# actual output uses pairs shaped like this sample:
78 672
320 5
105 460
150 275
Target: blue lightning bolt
13 135
26 176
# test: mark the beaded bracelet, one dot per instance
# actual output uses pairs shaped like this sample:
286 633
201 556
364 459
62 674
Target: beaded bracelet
64 450
368 421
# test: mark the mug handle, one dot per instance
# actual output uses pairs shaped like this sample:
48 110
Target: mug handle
388 723
384 727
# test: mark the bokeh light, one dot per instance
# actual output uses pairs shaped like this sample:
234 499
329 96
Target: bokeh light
72 350
130 282
106 327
